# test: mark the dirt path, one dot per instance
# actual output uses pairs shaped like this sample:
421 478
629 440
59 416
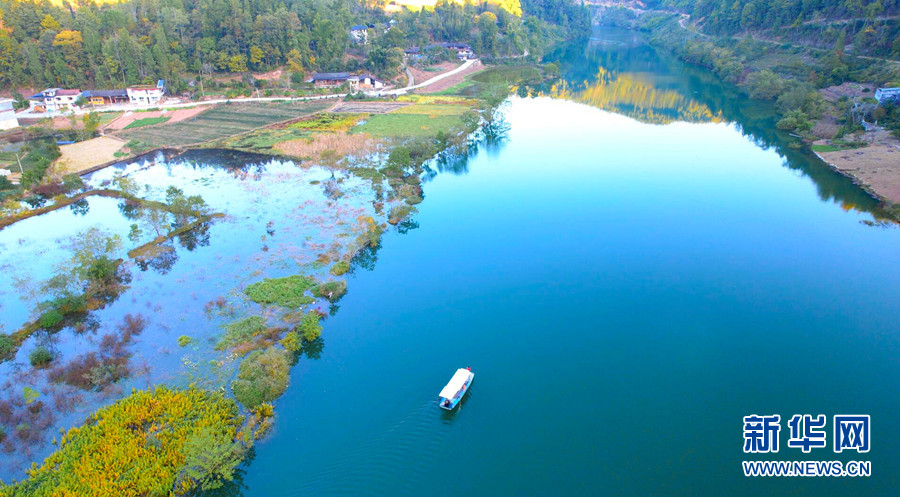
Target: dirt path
454 79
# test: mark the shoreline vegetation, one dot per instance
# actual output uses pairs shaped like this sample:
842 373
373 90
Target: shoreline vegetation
388 148
823 95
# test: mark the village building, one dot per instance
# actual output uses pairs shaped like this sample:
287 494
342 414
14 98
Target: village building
7 114
105 97
354 82
366 82
146 94
884 95
359 34
329 79
54 100
463 50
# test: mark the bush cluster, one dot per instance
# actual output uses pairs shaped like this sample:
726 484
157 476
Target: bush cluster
262 377
286 292
138 447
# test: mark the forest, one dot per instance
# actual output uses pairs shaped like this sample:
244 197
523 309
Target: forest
868 27
90 45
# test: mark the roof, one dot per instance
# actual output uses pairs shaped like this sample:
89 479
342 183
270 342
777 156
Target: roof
357 27
373 78
455 45
143 87
317 76
456 383
68 92
105 93
44 93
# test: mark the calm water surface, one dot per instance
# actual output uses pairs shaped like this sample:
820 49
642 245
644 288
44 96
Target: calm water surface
625 292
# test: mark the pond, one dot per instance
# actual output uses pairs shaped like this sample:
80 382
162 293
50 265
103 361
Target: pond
627 279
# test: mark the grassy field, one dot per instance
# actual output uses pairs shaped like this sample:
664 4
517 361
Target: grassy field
149 121
222 122
388 125
420 119
433 109
507 74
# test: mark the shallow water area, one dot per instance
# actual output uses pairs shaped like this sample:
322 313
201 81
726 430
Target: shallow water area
278 221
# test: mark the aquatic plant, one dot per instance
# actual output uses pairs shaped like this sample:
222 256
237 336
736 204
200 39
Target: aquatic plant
309 327
262 377
286 292
399 213
136 446
30 395
91 371
40 356
211 457
184 341
7 346
339 268
331 290
50 319
241 331
291 342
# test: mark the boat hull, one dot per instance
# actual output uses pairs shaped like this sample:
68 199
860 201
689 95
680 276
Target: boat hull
458 398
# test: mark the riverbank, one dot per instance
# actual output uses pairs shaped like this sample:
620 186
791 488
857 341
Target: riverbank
812 109
875 167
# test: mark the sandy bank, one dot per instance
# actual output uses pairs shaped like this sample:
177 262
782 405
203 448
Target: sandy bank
876 167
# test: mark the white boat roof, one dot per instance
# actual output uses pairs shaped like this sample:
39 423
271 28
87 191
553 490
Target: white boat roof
456 383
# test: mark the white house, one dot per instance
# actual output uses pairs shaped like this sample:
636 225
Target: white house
146 94
887 94
365 82
54 99
7 115
359 34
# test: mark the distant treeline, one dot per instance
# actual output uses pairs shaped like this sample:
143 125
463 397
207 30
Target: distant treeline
870 27
139 41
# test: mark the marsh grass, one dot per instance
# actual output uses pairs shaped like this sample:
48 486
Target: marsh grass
285 292
329 146
332 290
242 331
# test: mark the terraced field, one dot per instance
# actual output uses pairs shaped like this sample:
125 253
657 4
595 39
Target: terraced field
221 122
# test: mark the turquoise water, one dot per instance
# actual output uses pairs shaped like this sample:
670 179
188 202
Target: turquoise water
625 293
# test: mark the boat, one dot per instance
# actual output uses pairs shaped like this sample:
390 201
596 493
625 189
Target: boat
456 389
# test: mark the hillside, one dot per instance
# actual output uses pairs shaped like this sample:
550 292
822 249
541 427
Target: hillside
864 27
139 41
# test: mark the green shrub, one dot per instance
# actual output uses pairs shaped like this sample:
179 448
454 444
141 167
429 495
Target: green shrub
50 319
241 331
40 356
332 290
340 268
309 327
286 292
291 342
7 346
262 377
399 213
184 341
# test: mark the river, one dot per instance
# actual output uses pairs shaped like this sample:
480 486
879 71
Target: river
628 278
